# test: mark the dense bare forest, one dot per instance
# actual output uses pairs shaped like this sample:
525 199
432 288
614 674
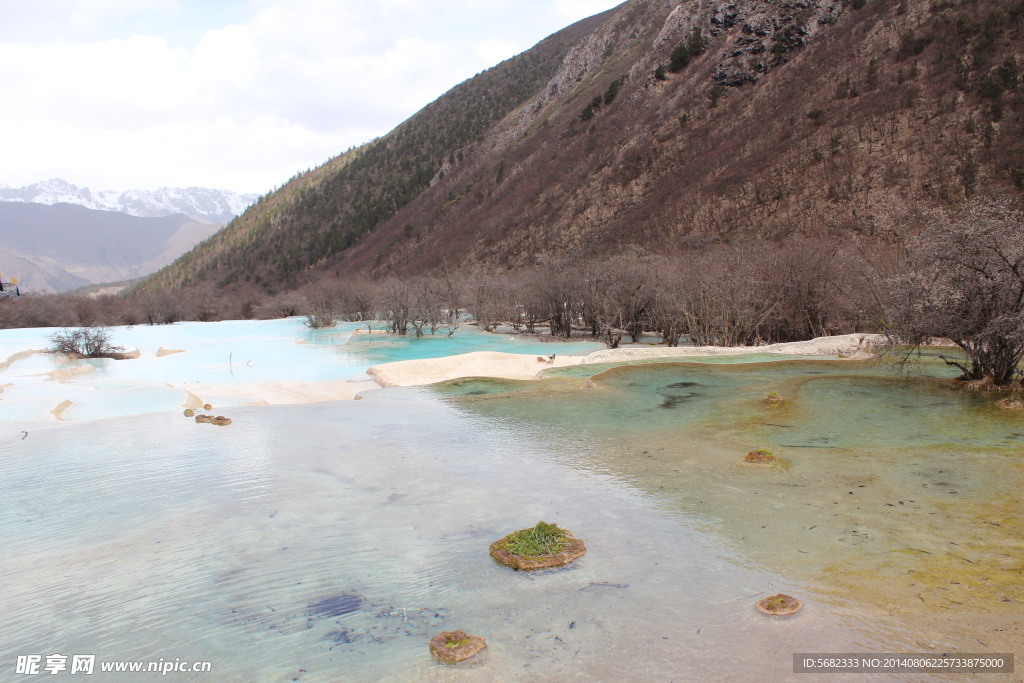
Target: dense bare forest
732 294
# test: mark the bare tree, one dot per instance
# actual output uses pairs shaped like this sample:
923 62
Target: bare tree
554 295
358 300
87 342
727 302
667 309
320 313
395 306
490 299
616 297
964 280
806 276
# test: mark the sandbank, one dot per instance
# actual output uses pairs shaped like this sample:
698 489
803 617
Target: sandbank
499 365
408 373
67 373
275 393
58 412
18 356
161 352
847 345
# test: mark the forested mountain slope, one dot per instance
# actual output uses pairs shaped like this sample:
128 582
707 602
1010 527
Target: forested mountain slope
667 125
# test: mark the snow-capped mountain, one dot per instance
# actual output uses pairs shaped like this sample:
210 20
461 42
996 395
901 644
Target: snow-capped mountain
199 203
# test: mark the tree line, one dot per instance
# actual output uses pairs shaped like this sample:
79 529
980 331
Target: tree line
956 275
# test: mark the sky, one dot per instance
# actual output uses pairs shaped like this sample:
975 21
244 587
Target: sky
234 94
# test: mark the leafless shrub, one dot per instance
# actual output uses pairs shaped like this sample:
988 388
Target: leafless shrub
964 281
489 299
553 294
320 313
283 305
86 342
617 297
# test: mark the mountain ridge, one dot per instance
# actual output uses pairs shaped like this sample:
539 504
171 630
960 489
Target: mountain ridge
61 247
198 203
666 125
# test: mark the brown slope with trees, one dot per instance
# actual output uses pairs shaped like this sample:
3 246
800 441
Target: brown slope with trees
319 215
671 126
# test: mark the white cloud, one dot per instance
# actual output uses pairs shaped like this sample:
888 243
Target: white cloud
497 50
282 86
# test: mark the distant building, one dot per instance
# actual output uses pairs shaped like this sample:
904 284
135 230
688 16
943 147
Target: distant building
8 289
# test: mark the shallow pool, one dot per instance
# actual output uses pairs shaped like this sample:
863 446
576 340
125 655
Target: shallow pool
330 541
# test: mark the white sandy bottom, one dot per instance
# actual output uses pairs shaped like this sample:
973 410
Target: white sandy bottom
274 393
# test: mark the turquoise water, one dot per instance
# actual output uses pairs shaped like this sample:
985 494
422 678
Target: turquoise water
880 478
330 541
229 353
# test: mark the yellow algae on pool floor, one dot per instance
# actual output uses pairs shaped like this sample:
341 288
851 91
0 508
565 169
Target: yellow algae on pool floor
926 533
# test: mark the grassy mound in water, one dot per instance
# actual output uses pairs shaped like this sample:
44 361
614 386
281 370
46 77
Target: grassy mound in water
760 456
543 539
780 605
452 647
539 547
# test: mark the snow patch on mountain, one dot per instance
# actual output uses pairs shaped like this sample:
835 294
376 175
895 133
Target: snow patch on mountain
199 203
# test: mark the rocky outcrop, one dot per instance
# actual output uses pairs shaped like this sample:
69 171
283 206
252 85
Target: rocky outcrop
753 36
219 420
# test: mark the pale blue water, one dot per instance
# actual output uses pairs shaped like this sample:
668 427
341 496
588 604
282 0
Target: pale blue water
331 541
231 352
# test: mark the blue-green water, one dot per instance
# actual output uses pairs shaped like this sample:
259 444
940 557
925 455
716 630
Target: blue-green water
331 541
225 353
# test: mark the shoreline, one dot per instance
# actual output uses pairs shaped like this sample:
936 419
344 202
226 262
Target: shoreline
499 365
422 372
273 393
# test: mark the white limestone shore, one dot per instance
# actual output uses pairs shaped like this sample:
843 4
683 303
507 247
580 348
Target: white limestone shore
492 364
274 393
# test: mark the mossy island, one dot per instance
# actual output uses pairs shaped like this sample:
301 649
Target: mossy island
452 647
774 398
189 412
539 547
219 420
761 457
780 605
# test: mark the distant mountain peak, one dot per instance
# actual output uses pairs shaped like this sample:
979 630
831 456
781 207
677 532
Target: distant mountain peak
199 203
